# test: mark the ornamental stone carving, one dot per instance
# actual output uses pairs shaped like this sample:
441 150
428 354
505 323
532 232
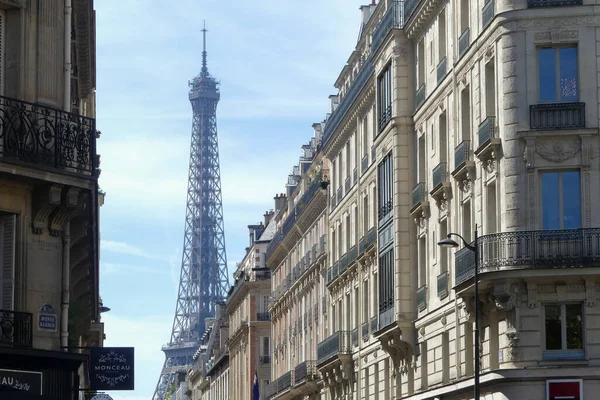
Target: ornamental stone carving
558 150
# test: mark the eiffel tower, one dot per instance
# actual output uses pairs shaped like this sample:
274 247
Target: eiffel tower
204 277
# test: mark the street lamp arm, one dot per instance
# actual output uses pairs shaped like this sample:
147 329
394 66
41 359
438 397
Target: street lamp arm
467 245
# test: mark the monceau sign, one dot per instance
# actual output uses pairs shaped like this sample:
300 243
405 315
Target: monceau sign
111 368
26 381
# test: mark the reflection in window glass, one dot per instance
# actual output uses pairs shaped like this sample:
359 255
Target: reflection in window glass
568 74
558 74
553 328
547 73
574 324
550 201
571 200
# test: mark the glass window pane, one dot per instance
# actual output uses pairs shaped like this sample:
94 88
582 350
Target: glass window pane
550 201
547 73
553 328
568 74
571 200
574 326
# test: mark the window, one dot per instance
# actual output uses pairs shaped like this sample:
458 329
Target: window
465 114
385 186
442 35
563 325
265 346
561 208
421 63
558 74
386 288
384 88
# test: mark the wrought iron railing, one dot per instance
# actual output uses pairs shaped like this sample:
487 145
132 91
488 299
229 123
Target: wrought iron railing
440 175
365 331
340 195
352 256
371 238
262 275
409 7
362 245
374 324
347 185
422 297
264 360
356 87
284 382
418 194
487 130
385 116
557 116
47 137
16 328
487 13
441 70
263 316
355 176
553 3
373 153
333 201
336 344
305 371
442 284
385 211
393 19
364 164
530 250
462 154
464 41
323 243
355 337
420 96
343 263
335 270
271 390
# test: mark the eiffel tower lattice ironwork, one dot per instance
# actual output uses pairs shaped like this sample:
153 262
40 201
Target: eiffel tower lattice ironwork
204 277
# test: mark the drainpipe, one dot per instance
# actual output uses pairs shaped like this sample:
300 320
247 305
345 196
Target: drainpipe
67 71
66 282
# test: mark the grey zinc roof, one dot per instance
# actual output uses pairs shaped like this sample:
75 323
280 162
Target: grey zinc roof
269 231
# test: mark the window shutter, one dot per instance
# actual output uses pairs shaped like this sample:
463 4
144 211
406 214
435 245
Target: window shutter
7 258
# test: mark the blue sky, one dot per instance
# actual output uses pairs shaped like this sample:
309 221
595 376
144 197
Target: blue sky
277 62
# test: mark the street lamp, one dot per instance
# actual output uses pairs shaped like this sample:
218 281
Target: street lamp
450 243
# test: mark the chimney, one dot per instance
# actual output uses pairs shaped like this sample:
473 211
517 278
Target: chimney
333 102
366 14
269 216
280 200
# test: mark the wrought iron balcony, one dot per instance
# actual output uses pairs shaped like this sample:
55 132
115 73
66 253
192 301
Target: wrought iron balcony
371 238
487 131
418 195
364 164
530 250
442 285
333 201
553 3
355 337
464 41
409 7
323 243
47 137
340 194
487 14
347 185
365 331
352 256
284 382
263 316
343 263
422 298
356 87
264 360
439 175
462 154
373 153
557 116
335 345
374 324
355 176
420 96
441 70
393 19
261 275
305 371
271 390
16 329
362 245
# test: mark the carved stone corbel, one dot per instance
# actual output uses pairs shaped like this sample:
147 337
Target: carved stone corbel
45 201
72 202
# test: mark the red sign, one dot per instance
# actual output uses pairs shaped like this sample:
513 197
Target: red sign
565 390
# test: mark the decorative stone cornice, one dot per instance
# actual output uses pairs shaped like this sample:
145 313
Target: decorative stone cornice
421 17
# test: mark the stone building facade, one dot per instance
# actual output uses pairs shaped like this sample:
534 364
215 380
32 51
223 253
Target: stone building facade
49 198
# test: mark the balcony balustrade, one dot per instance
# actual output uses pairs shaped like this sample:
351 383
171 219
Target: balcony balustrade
487 130
364 164
487 14
343 263
263 316
335 270
333 201
364 329
47 137
442 285
371 238
557 116
373 153
334 346
393 19
422 298
340 195
418 194
441 70
355 337
362 245
16 329
323 244
530 250
284 382
264 360
352 256
439 175
464 41
354 176
553 3
462 154
374 324
409 7
305 371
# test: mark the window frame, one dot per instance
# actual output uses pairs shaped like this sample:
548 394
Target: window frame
564 353
556 49
385 98
561 214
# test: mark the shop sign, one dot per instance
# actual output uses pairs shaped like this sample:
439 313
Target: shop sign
112 368
564 389
26 381
47 318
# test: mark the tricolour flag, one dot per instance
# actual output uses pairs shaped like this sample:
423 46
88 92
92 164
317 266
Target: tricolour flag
255 391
